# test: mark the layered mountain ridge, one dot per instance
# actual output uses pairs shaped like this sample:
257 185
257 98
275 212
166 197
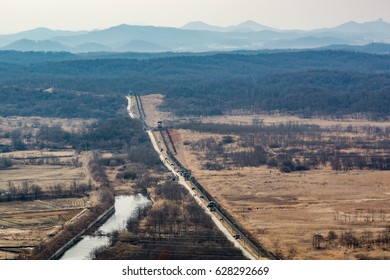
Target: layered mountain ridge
195 37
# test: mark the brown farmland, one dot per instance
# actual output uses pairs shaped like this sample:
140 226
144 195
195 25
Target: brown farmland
25 224
43 191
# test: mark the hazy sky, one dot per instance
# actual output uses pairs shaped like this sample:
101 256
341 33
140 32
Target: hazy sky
18 15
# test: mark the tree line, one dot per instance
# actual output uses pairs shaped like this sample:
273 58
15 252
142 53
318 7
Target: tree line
32 191
303 82
291 146
349 239
22 101
119 133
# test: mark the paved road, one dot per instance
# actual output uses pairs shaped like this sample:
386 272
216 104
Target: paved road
188 187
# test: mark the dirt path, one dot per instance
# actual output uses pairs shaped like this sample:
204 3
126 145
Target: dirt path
129 106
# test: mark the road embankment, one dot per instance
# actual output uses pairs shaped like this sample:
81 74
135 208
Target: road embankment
99 220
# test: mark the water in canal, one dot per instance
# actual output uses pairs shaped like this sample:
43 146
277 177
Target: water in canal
124 207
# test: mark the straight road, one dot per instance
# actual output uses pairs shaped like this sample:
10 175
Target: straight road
185 184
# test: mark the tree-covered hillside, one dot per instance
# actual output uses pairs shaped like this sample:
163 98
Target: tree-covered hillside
299 82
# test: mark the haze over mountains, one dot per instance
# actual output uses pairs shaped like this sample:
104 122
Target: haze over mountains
197 37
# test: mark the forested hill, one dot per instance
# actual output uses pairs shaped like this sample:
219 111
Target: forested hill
301 82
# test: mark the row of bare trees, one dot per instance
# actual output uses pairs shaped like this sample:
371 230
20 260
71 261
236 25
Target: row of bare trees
32 191
367 216
365 239
96 169
293 147
5 163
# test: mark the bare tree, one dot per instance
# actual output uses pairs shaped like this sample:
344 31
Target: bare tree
317 241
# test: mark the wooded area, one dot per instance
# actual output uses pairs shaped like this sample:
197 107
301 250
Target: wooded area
300 82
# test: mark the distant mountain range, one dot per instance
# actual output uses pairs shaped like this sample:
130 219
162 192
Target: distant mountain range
247 26
197 37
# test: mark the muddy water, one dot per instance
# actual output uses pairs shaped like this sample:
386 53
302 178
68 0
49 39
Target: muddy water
124 207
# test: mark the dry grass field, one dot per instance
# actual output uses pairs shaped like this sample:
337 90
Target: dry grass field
276 119
153 115
285 211
43 175
25 224
11 123
152 101
41 167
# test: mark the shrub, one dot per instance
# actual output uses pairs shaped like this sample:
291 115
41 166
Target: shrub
272 162
227 140
5 163
127 175
286 169
212 166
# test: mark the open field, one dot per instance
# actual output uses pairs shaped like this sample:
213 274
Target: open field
31 154
276 119
11 123
150 103
288 211
28 214
43 175
24 225
285 210
44 168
